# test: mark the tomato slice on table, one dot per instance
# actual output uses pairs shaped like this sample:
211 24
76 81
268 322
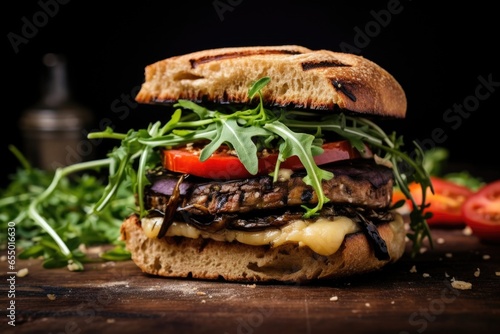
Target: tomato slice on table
446 201
481 212
224 165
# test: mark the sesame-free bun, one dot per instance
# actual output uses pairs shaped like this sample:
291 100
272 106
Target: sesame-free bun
200 258
300 78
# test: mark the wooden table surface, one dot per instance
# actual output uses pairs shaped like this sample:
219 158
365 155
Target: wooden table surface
115 297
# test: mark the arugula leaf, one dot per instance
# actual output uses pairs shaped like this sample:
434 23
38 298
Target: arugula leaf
435 160
239 138
465 179
300 144
256 88
202 112
52 214
118 253
176 117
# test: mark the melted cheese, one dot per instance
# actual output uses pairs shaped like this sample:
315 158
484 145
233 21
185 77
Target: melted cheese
324 236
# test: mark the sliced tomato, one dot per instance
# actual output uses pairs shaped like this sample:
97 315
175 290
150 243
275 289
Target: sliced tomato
446 201
224 165
481 212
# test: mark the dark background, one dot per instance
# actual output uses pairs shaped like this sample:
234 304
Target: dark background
436 53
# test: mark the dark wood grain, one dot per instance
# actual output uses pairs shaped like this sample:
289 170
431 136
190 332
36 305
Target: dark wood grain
116 297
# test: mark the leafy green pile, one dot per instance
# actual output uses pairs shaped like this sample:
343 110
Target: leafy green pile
246 131
53 216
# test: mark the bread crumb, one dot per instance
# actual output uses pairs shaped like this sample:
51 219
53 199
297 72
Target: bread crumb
108 264
51 296
252 286
461 285
486 257
367 304
467 231
110 321
97 250
413 269
426 275
3 258
22 272
200 293
203 301
334 298
440 241
422 250
448 255
82 248
393 302
72 266
497 273
477 272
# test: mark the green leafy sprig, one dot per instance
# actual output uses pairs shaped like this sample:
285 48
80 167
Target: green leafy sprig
51 213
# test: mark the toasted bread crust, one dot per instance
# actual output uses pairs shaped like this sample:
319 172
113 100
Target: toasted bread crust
300 78
208 259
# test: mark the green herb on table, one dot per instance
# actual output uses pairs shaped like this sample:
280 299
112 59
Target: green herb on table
52 212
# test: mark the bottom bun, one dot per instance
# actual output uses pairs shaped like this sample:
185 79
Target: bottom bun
233 261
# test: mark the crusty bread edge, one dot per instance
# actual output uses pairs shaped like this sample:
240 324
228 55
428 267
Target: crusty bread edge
207 259
314 79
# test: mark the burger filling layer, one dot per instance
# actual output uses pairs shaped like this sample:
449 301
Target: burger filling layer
324 236
257 211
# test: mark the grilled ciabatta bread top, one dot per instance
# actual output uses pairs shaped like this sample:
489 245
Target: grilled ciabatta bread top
300 78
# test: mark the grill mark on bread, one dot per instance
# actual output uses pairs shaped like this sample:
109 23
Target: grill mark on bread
339 86
310 65
206 59
224 76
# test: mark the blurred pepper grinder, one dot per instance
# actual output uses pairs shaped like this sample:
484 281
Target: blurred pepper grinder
54 128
